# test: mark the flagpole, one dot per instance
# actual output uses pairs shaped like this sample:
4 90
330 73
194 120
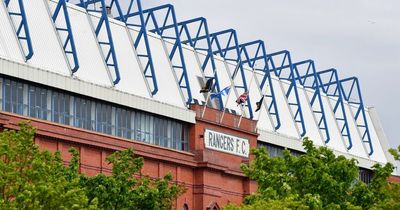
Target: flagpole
232 88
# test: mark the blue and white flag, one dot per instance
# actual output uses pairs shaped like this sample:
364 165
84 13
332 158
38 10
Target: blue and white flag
223 92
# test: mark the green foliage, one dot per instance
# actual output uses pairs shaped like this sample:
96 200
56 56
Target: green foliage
317 179
123 190
35 179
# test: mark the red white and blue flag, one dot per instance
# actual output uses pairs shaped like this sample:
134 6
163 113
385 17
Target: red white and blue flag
242 98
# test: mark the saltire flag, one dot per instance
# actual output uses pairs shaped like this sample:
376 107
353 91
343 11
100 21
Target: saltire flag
259 103
223 92
242 98
208 86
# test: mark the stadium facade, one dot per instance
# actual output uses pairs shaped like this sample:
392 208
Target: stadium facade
104 75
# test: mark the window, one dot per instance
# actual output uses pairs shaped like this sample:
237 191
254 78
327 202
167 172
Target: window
37 102
83 114
277 151
185 207
365 175
13 98
61 108
123 123
49 104
103 118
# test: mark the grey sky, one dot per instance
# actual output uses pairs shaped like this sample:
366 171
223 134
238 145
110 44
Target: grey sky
359 38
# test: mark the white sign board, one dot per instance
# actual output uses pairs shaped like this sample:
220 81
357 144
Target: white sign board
226 143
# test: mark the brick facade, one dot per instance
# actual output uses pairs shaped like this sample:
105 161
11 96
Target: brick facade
212 178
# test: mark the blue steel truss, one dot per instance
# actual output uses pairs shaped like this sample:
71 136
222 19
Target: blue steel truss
137 22
22 29
281 64
110 56
352 94
156 19
308 78
227 46
68 42
331 86
189 32
255 56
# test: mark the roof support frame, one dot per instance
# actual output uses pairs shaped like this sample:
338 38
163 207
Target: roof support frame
332 87
110 56
316 100
68 43
151 17
22 29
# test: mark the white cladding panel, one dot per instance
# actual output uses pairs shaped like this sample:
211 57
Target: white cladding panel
47 49
379 144
194 73
312 130
358 147
92 67
224 76
336 139
264 119
288 126
168 90
9 46
132 79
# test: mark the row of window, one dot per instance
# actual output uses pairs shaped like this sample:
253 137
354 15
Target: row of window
47 104
365 175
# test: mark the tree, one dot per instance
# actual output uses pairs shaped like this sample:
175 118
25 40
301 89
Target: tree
317 179
34 179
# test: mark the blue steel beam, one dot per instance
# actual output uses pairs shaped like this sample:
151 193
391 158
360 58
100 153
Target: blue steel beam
227 46
110 56
331 86
140 42
22 28
281 64
253 50
155 20
308 78
189 33
68 42
352 94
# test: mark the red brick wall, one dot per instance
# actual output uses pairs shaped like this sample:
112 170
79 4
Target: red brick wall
210 176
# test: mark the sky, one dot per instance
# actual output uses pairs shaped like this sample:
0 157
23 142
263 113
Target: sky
359 38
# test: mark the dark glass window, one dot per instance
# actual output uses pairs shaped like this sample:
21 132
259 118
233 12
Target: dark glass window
365 175
37 102
61 108
13 96
83 114
123 123
103 118
276 151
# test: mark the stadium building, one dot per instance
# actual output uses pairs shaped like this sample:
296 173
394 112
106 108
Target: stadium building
103 76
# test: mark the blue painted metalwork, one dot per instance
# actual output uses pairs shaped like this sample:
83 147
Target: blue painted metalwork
255 56
281 64
227 46
166 13
308 78
331 86
137 22
68 43
352 94
189 32
110 57
22 29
